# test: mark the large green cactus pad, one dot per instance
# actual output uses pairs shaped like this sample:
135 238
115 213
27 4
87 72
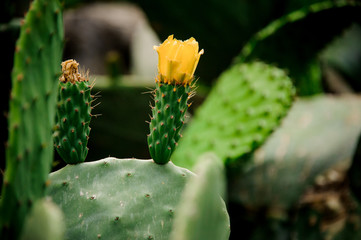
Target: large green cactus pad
119 198
244 107
199 215
318 133
29 152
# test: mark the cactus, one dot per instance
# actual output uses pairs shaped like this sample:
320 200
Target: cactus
45 221
118 198
279 42
73 114
29 152
177 63
294 155
121 198
242 110
198 215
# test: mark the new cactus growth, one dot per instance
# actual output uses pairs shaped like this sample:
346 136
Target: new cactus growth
73 114
239 114
45 221
174 87
29 152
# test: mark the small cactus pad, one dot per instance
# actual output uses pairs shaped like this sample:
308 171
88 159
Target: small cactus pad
73 114
317 134
199 215
119 198
29 151
45 221
167 119
241 111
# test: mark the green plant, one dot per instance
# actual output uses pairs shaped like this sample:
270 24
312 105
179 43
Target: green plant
177 62
241 111
73 114
198 215
29 151
121 198
45 221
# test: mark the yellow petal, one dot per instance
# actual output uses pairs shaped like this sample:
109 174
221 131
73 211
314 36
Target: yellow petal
177 60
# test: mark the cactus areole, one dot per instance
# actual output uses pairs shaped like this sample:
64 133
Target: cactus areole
174 87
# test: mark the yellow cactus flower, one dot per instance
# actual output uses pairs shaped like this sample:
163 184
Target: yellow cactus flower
177 60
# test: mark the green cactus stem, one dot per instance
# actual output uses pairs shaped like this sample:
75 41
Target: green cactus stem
73 114
167 120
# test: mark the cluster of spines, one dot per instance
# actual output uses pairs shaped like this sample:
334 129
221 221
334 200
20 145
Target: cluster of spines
168 116
73 115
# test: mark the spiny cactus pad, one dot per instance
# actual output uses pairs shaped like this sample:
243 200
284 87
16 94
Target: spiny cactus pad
29 152
199 215
119 198
244 107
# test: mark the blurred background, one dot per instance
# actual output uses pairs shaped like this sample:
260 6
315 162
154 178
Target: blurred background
115 39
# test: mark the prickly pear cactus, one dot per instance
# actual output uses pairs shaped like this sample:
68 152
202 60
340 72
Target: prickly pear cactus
73 114
119 198
199 215
29 150
244 107
296 153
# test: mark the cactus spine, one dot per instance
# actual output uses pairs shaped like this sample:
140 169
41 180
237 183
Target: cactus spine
29 151
73 114
177 63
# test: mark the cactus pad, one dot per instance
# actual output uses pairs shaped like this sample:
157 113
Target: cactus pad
45 221
199 215
29 152
119 198
244 107
318 133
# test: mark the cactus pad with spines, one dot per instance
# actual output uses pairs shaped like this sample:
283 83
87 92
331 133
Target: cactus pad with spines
119 198
73 114
304 147
241 111
29 152
167 119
